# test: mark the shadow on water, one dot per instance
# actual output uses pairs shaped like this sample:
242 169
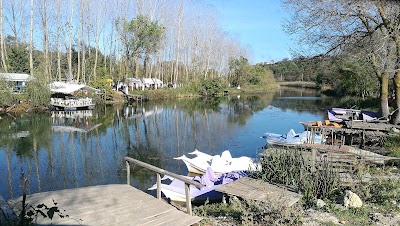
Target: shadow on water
77 149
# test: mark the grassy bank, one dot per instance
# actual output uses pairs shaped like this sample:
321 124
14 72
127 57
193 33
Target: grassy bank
322 202
299 84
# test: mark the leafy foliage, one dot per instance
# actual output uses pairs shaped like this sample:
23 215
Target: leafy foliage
357 80
104 85
18 59
29 218
320 69
6 96
240 69
210 87
38 91
141 37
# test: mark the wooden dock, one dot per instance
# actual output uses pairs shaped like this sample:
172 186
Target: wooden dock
347 153
258 190
134 98
116 204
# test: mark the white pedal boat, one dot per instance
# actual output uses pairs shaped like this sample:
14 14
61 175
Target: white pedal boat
223 163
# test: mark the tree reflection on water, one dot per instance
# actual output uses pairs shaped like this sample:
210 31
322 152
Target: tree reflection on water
58 151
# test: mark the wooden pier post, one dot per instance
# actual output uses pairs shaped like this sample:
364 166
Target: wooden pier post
159 171
128 173
158 186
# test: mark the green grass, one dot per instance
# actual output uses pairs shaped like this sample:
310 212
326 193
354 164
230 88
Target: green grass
242 212
354 216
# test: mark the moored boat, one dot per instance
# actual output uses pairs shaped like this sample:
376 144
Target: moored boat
343 114
223 163
64 97
291 138
175 190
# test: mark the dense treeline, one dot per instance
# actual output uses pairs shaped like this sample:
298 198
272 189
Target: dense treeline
340 74
86 40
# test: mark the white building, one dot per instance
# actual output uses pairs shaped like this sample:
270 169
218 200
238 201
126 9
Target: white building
144 83
17 80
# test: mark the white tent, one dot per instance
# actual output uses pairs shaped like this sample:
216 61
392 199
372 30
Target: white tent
15 77
67 88
141 83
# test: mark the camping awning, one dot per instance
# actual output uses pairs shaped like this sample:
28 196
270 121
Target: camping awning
67 88
15 77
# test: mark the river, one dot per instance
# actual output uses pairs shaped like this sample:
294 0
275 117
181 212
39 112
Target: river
58 150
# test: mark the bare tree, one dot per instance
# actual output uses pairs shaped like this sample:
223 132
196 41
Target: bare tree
2 45
12 20
71 16
42 5
59 30
31 39
337 26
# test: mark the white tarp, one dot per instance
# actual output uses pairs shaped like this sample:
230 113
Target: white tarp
67 88
15 77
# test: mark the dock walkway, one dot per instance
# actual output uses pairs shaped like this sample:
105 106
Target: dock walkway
116 204
258 190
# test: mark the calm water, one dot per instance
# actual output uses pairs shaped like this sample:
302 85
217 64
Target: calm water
57 150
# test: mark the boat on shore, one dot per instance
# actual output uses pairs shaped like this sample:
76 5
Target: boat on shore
64 97
71 104
223 163
291 138
343 114
175 190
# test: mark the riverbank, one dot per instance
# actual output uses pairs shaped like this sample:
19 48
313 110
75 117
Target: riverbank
373 198
299 84
23 105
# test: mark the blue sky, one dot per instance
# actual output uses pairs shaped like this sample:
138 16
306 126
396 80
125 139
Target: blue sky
258 24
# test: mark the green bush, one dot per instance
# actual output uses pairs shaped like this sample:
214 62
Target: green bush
6 96
247 212
381 191
105 87
210 87
290 167
38 92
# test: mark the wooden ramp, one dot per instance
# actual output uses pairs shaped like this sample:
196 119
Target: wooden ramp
117 204
344 151
253 189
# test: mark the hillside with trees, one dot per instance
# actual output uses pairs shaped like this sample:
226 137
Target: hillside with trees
367 32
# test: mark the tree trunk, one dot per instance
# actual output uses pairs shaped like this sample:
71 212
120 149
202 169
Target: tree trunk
31 42
2 46
136 62
145 62
395 119
46 41
59 40
70 41
384 86
22 20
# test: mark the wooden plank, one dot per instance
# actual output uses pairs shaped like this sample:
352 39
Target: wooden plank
253 189
6 213
159 171
117 204
164 172
363 154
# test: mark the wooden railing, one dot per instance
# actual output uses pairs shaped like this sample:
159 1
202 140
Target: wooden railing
160 171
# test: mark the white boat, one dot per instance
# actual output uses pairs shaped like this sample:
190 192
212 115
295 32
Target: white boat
175 190
291 138
343 114
223 163
63 98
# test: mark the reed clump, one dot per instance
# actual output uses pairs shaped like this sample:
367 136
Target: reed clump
314 178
